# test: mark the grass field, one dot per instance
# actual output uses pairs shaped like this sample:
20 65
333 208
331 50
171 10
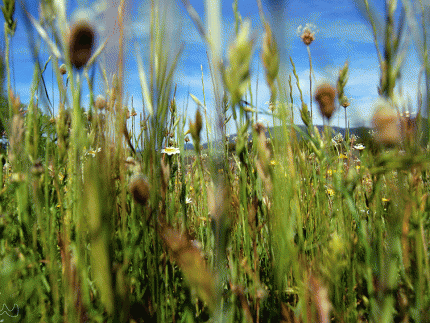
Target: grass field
99 224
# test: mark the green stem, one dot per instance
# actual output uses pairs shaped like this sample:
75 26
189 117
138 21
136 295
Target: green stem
7 56
346 121
310 81
426 62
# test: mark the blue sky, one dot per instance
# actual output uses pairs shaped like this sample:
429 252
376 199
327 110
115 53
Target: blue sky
343 35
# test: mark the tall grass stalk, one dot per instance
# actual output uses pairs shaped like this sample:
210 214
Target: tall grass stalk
310 80
8 10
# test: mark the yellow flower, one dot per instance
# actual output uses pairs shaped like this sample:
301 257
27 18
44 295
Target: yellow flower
384 200
330 171
273 162
342 156
330 191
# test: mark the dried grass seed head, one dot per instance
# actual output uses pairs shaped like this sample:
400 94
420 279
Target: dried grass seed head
139 189
16 102
100 102
270 57
81 41
386 123
307 33
325 96
196 127
63 69
345 102
408 126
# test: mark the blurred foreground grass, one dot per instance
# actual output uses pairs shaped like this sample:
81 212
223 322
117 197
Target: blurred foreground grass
320 229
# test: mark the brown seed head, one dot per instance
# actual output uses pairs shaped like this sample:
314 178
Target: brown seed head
81 42
386 123
139 189
325 95
196 127
307 37
259 128
37 168
63 69
307 33
198 123
344 102
89 115
100 102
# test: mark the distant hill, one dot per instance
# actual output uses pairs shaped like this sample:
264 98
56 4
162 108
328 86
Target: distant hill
363 133
357 131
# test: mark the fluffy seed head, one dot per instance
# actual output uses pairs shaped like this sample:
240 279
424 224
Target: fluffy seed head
386 123
100 102
307 37
325 95
139 189
81 42
307 33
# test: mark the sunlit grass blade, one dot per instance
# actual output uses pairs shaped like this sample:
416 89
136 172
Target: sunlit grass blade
143 84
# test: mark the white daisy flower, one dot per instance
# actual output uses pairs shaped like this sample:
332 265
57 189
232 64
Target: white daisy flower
170 151
359 147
